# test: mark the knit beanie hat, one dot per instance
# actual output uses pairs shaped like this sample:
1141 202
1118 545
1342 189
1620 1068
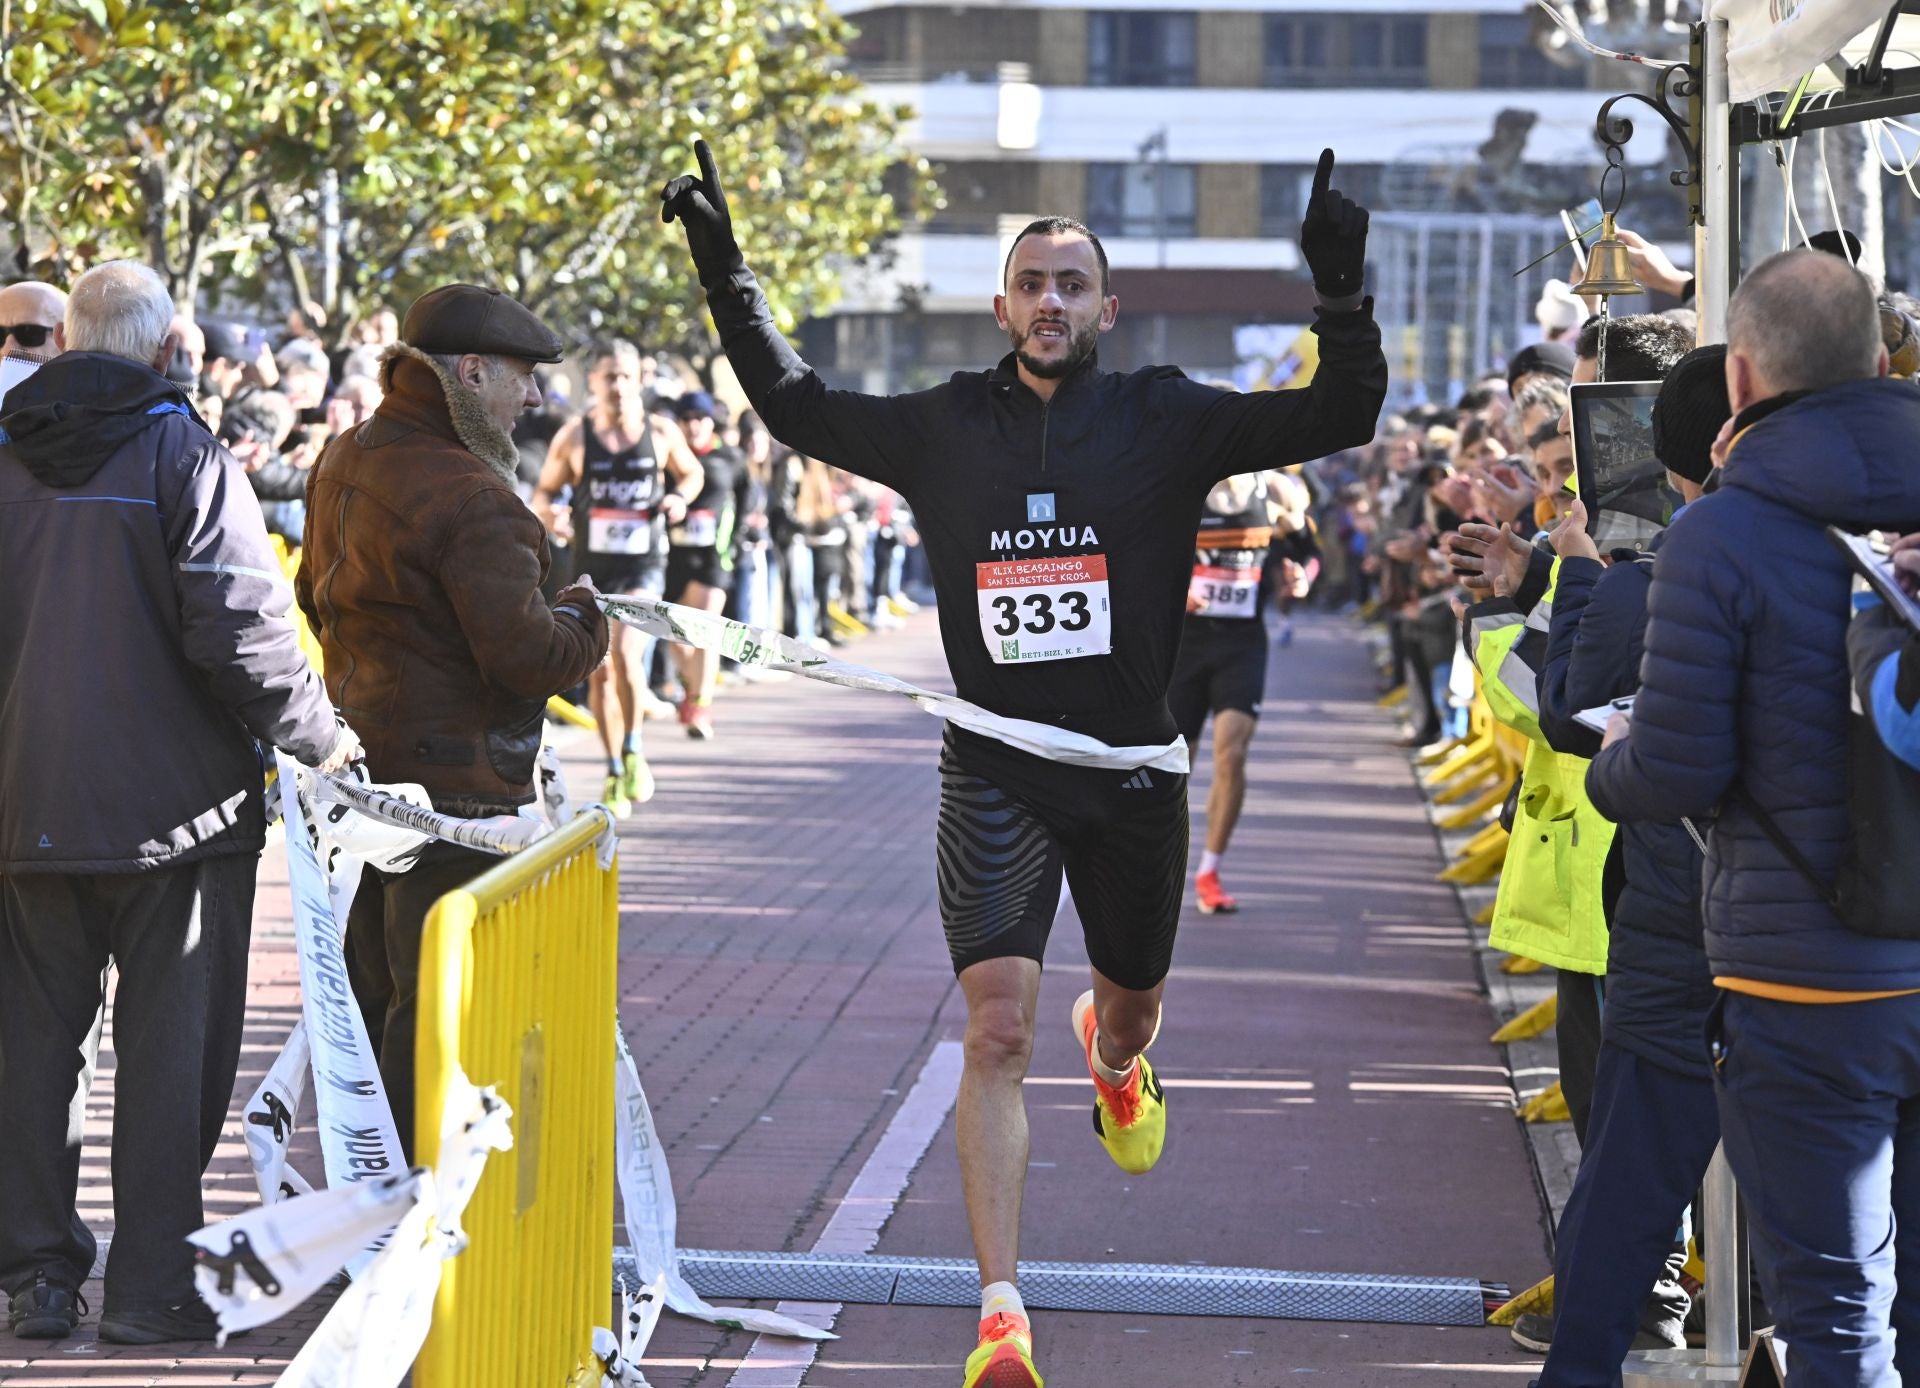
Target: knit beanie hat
1690 410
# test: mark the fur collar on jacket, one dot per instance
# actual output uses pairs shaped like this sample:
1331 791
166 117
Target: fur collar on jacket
480 436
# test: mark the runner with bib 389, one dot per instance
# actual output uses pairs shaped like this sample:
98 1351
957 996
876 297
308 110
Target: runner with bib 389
1057 504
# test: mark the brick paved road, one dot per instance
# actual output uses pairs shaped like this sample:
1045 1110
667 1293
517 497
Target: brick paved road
783 981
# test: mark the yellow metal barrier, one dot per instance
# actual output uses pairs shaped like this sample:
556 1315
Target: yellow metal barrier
517 990
289 566
572 713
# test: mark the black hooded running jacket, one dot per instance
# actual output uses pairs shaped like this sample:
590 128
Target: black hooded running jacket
1060 534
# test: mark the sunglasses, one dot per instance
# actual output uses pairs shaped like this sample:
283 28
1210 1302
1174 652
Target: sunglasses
28 335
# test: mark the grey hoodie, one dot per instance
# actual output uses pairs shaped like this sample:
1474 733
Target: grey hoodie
145 642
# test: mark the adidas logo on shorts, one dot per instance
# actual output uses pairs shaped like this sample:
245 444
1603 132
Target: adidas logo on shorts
1139 780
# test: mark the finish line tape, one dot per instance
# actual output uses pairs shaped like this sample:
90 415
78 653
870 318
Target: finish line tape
358 1140
646 1191
755 646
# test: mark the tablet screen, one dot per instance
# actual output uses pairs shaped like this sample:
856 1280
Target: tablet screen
1621 481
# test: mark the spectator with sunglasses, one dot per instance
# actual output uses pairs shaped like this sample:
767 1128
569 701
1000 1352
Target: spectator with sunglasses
29 313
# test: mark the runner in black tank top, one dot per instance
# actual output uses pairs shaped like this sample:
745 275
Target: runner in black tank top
617 522
623 499
1222 665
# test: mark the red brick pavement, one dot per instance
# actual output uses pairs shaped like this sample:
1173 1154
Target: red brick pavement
783 979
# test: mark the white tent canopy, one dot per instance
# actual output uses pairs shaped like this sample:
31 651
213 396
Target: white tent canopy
1772 44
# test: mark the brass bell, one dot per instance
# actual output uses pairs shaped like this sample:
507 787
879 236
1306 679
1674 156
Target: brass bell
1609 270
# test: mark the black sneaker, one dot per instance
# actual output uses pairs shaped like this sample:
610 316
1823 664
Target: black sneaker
190 1320
45 1310
1533 1332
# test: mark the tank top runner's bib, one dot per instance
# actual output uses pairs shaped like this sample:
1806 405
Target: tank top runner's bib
616 507
1230 558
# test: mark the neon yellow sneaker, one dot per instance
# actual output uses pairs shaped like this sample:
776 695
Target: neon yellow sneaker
615 798
1131 1121
636 778
1004 1358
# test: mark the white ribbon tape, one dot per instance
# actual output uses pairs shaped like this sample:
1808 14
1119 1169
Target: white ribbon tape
502 834
256 1267
373 1333
646 1189
358 1141
260 1265
755 646
620 1358
270 1120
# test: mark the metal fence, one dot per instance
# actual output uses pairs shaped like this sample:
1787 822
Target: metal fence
1446 297
517 990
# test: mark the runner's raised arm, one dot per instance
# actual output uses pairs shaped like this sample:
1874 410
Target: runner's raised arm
872 435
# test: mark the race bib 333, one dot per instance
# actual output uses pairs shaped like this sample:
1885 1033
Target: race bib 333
1045 609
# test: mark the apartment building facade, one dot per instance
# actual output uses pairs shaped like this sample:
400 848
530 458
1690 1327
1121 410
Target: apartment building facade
1187 138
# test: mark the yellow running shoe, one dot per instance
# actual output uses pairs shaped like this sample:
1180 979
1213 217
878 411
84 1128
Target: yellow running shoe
636 778
614 797
1004 1358
1131 1121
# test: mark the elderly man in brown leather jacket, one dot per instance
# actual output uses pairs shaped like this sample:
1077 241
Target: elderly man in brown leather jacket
422 577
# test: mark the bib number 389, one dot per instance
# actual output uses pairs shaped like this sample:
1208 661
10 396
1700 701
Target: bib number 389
1045 609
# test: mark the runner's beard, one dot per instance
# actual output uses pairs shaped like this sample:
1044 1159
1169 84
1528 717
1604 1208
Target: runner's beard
1079 347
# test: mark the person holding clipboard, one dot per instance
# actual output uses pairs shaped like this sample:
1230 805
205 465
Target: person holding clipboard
1883 644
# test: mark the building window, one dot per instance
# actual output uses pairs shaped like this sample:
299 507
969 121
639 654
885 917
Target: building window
1124 199
1283 198
1509 58
1284 189
1140 48
1339 50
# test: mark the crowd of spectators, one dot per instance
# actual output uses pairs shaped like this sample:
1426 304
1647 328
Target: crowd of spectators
1718 880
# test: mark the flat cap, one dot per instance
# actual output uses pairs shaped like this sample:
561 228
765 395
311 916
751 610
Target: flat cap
464 318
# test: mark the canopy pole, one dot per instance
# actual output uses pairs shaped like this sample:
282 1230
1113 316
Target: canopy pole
1716 255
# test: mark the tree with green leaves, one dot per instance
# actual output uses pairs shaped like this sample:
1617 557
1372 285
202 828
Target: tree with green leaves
352 152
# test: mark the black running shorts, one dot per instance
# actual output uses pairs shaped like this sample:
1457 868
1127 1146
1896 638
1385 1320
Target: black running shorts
1011 824
695 564
619 576
1217 670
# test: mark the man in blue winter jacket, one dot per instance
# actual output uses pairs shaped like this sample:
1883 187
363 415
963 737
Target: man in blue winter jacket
1743 710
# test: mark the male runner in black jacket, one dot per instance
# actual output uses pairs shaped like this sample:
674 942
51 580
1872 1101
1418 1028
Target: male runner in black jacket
1057 503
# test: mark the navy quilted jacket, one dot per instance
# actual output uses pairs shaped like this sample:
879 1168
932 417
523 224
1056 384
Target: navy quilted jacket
1746 688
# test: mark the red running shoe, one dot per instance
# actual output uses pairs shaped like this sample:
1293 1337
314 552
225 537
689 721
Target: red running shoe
1212 896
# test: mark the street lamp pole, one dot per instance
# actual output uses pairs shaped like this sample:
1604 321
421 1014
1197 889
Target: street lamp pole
1153 150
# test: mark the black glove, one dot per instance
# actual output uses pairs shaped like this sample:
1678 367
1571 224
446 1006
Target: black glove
702 210
1333 237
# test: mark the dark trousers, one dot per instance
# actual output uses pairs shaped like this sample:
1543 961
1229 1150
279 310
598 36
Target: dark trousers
1576 1034
178 937
1820 1106
383 959
1651 1135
